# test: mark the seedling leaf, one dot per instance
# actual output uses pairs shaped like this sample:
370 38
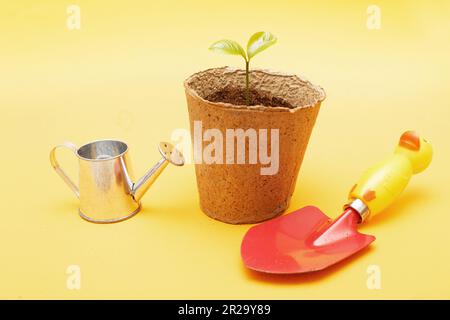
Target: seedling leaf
258 42
228 47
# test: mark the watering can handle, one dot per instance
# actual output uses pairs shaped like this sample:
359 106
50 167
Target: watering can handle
379 186
58 168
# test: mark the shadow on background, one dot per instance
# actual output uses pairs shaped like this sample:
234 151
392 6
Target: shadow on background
402 206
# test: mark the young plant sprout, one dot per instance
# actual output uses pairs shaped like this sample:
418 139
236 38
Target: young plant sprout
258 42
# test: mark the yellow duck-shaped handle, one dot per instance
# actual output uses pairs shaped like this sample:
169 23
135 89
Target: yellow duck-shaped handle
381 184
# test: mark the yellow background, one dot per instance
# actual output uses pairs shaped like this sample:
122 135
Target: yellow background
121 76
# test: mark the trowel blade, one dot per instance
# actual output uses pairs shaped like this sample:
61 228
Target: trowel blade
302 241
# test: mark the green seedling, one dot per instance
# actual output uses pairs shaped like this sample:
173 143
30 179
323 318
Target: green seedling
258 42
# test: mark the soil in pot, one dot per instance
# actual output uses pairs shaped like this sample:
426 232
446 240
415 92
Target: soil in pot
238 97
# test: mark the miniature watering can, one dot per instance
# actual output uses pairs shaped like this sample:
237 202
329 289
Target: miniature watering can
106 189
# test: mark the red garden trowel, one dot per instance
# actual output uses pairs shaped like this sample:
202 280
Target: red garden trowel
307 240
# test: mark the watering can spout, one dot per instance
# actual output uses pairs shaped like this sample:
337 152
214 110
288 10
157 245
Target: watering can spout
169 155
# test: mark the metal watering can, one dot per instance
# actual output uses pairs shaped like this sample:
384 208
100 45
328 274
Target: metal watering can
106 189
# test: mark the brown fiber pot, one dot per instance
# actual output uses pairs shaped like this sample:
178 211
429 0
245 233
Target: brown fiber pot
238 193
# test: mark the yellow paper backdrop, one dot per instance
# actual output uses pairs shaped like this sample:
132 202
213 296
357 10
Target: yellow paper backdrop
121 76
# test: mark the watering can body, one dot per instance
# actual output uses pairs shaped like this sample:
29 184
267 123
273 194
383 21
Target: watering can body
106 189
